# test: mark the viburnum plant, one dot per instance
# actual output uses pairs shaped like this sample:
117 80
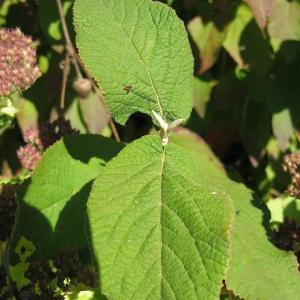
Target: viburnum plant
157 218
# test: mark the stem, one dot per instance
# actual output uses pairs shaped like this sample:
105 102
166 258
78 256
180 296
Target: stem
69 45
66 72
76 62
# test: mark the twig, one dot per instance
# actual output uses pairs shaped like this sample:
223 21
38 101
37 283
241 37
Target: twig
76 61
69 45
66 72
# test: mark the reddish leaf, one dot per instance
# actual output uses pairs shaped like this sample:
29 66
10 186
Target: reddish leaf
261 10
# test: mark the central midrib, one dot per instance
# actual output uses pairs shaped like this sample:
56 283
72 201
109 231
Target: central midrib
161 179
147 71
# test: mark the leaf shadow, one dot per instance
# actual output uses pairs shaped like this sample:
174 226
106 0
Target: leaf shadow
67 234
266 216
106 148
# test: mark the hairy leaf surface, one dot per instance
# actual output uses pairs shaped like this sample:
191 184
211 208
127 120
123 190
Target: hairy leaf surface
139 53
257 269
157 231
52 205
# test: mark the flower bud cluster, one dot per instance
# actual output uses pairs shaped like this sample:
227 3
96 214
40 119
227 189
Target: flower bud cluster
52 132
18 70
38 140
291 164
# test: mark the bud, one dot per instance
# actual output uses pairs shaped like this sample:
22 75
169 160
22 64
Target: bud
18 70
82 87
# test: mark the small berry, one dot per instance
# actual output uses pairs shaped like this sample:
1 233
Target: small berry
83 87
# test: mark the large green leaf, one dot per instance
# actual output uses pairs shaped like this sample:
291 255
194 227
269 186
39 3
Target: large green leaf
188 139
157 230
139 53
257 269
52 204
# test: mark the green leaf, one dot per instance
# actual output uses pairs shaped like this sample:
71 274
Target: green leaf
28 114
234 33
284 207
52 205
17 274
93 294
7 113
193 142
139 53
73 113
24 250
257 269
202 94
208 39
170 2
5 123
282 127
156 230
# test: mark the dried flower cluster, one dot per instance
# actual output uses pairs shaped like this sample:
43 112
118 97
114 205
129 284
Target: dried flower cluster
52 132
288 237
69 266
67 271
291 164
18 69
8 208
38 140
41 275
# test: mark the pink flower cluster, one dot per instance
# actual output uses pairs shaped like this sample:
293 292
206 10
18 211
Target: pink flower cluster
31 153
18 70
38 140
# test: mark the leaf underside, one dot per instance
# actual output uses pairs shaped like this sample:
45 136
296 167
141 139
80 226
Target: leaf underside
156 231
139 53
